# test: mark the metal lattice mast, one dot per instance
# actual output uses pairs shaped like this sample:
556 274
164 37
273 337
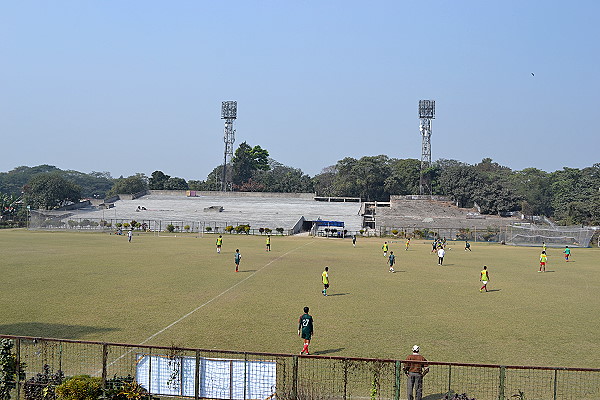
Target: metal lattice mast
426 114
229 114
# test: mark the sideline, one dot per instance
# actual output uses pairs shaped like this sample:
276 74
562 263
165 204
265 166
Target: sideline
210 301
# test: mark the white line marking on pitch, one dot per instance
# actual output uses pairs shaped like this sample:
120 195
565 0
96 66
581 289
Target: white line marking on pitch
209 301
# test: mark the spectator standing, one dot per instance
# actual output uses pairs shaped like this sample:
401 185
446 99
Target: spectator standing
415 372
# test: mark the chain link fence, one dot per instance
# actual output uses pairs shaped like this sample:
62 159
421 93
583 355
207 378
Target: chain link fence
211 374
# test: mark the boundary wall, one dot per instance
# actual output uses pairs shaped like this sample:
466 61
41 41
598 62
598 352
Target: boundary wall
289 376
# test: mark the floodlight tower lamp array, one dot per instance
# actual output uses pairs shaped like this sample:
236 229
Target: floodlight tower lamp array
426 114
229 114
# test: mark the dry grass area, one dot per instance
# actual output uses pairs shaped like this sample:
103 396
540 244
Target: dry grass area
178 290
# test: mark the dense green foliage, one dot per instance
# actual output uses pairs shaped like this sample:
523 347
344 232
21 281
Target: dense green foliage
9 370
94 184
159 181
50 190
130 185
246 161
569 196
80 387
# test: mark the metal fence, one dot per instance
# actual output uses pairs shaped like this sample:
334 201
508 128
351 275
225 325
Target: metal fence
145 225
202 374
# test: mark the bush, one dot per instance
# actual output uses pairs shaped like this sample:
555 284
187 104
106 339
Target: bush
261 230
228 229
268 230
208 229
41 386
187 228
279 230
118 224
395 232
72 224
80 387
133 223
170 228
126 225
8 369
124 388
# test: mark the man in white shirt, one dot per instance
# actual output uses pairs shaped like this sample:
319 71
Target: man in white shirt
441 253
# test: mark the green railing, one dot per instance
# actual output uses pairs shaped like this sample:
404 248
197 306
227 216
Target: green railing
199 373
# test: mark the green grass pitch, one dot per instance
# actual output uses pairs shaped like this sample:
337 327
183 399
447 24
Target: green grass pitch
179 291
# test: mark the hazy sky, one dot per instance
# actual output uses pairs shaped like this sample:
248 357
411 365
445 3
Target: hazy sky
135 86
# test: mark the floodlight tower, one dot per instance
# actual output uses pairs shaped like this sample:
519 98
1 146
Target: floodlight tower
229 114
426 114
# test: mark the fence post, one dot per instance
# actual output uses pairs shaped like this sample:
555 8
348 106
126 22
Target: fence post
197 375
295 377
245 372
398 369
555 383
18 362
501 386
104 361
449 378
345 379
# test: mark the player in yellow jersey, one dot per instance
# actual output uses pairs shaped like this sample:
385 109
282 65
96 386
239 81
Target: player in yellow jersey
407 243
268 242
385 248
543 261
325 276
219 243
485 277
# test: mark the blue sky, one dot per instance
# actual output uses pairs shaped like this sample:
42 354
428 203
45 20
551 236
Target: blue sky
135 86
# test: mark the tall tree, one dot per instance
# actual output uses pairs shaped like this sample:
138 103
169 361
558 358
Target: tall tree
364 178
130 185
404 177
280 178
50 190
157 180
176 184
246 160
460 182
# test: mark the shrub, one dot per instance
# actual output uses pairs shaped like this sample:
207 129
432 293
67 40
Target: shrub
8 369
72 224
261 230
170 228
80 387
242 229
395 232
208 229
228 228
187 228
41 386
124 388
126 225
279 230
118 224
133 223
362 231
268 230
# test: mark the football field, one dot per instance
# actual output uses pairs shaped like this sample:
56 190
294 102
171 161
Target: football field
179 291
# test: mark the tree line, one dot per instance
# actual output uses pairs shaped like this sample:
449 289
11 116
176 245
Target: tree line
569 196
